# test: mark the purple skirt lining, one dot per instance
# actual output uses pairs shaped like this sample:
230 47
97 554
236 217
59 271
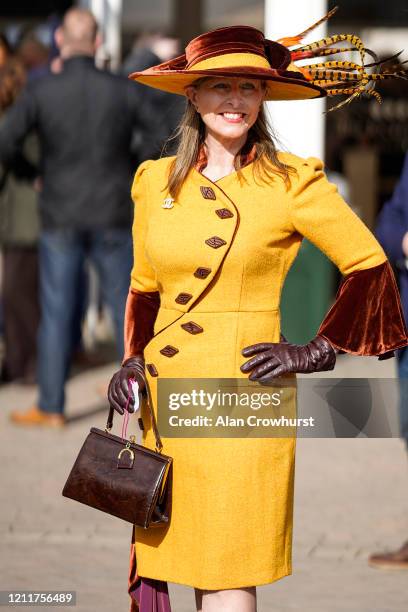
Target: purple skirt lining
150 595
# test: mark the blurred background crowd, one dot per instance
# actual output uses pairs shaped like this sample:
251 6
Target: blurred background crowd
29 53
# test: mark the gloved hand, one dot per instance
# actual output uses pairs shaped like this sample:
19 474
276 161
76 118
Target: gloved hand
273 359
118 391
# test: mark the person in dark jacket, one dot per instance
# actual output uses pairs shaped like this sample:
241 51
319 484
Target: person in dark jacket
18 243
168 109
84 117
392 233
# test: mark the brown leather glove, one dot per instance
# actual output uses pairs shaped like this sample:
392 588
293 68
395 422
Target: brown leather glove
276 359
118 391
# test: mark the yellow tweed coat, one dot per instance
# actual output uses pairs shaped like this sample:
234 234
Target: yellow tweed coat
219 258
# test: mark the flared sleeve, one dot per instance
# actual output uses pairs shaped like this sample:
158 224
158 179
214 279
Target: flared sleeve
366 317
143 300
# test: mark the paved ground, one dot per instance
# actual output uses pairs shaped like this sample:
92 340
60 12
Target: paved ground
351 499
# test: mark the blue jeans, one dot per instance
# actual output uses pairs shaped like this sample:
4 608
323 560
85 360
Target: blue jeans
61 256
402 356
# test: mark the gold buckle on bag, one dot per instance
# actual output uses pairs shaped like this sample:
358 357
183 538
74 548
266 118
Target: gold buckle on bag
128 450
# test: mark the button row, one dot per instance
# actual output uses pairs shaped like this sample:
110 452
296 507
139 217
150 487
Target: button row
208 194
169 350
214 242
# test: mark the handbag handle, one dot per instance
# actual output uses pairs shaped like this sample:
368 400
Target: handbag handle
109 422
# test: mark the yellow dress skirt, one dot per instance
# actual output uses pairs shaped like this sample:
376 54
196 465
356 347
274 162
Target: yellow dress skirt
232 501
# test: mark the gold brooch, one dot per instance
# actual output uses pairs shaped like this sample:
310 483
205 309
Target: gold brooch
168 203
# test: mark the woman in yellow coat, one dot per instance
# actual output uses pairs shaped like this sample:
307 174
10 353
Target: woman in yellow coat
216 229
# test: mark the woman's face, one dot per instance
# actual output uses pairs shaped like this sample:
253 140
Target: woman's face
228 106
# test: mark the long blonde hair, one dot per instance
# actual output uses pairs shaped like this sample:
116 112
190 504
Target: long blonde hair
190 134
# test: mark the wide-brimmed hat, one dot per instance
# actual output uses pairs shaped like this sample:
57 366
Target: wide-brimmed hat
236 51
243 51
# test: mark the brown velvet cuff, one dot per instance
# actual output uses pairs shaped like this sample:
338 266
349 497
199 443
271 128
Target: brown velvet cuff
140 315
366 318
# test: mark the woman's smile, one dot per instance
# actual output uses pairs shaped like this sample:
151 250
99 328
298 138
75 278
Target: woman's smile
233 117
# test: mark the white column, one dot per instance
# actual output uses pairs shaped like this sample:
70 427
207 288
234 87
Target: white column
113 31
299 124
109 16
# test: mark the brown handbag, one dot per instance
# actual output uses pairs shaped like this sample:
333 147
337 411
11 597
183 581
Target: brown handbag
123 478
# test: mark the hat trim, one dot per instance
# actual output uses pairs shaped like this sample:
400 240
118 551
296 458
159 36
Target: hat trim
266 52
231 60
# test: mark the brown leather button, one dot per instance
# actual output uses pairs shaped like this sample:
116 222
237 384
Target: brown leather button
215 242
169 351
208 193
192 328
202 272
183 298
224 213
151 368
